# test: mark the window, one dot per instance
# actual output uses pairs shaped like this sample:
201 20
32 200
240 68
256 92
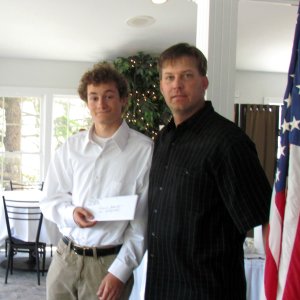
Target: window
70 115
33 127
20 147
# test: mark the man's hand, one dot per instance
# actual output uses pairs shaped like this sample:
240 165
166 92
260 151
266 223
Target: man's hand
83 217
110 288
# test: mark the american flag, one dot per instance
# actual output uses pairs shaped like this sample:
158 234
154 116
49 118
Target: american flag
282 268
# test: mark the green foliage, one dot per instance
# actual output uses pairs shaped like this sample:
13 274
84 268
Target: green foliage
67 123
146 107
65 127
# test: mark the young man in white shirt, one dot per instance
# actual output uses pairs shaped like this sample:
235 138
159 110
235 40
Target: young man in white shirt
95 259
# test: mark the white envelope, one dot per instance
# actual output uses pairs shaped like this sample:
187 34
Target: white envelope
115 208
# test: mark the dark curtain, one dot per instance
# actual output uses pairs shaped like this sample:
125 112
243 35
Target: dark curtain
260 122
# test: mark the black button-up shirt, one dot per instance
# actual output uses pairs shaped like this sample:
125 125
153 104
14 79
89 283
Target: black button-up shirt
207 189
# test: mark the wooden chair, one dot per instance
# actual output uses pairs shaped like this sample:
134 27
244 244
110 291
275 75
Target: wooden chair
24 212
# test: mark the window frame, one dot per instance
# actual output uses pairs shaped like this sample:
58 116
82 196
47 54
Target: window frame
47 97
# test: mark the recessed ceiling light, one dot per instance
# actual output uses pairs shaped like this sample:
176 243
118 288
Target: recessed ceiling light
140 21
159 1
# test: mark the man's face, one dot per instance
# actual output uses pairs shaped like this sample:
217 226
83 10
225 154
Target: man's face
105 104
183 87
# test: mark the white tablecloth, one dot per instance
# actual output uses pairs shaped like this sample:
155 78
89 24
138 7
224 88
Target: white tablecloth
49 231
254 271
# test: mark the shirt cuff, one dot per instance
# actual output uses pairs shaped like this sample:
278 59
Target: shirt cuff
120 270
68 213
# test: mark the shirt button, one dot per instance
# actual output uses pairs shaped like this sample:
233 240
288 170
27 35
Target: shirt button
153 234
160 188
155 211
151 255
166 167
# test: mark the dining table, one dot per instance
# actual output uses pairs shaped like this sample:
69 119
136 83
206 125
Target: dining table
49 231
254 272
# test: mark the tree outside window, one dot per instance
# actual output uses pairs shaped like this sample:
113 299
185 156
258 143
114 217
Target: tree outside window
20 133
19 139
70 115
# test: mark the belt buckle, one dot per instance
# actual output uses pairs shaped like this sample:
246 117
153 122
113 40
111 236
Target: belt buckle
83 250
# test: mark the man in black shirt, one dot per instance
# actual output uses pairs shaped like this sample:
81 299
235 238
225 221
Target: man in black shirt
207 189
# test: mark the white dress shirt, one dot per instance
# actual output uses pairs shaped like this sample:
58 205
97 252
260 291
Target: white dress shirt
82 171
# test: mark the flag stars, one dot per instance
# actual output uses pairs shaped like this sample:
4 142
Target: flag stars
295 124
277 175
288 101
285 126
281 150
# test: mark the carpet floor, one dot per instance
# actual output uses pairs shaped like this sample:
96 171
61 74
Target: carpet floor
21 284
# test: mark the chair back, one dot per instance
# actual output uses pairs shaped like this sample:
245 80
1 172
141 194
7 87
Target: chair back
26 185
22 211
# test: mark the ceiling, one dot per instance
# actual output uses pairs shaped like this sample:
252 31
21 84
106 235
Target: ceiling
93 30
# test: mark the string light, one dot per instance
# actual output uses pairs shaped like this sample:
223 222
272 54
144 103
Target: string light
145 106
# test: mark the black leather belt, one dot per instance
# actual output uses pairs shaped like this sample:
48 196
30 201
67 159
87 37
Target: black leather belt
89 251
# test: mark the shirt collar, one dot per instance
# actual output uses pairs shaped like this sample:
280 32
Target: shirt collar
196 118
120 137
200 116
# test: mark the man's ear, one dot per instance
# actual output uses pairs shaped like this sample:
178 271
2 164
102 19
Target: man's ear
124 102
160 87
205 82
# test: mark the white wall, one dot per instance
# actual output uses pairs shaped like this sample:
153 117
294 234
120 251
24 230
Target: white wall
41 73
254 87
251 87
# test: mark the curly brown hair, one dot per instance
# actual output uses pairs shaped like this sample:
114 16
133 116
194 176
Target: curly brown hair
102 73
